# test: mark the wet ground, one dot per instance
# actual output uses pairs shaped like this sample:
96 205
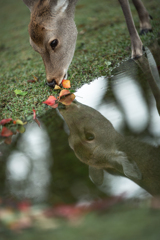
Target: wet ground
110 164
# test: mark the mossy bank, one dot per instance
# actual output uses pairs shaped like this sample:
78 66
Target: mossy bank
103 42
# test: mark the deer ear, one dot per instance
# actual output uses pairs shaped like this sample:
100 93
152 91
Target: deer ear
130 169
30 3
59 5
67 6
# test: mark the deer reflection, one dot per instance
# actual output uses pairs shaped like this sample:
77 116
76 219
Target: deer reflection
97 144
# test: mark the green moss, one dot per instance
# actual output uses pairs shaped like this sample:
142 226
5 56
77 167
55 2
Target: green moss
103 42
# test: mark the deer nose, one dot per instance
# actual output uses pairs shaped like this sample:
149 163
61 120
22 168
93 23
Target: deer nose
52 83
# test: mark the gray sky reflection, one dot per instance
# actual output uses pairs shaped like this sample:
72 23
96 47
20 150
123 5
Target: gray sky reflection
28 167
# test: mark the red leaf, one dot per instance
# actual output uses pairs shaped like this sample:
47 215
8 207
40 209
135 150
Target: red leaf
24 206
55 105
35 118
37 121
68 211
50 101
6 132
34 114
31 81
4 121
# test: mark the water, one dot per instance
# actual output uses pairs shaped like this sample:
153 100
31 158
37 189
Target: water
40 167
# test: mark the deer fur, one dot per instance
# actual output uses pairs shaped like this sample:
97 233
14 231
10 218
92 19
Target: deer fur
97 144
54 19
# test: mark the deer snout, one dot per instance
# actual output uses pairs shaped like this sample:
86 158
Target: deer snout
51 82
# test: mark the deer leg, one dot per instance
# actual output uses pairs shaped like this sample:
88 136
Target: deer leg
136 44
144 17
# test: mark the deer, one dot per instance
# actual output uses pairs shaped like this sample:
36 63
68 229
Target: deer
53 33
97 144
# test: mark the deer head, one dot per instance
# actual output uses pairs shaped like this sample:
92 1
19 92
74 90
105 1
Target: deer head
53 35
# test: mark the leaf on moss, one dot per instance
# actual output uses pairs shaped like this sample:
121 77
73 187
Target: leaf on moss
4 121
67 100
35 118
20 92
57 87
6 132
18 121
50 101
64 93
21 129
66 84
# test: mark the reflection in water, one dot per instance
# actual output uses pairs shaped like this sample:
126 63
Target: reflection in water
96 143
129 95
28 166
132 109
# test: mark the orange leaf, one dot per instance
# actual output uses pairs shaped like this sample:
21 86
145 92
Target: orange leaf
6 132
68 99
66 83
55 105
64 93
50 101
4 121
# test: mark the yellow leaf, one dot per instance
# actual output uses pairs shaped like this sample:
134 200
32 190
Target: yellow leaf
19 122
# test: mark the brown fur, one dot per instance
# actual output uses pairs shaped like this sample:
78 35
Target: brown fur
36 32
54 19
39 17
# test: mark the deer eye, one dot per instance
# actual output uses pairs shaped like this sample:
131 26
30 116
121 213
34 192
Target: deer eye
54 44
89 136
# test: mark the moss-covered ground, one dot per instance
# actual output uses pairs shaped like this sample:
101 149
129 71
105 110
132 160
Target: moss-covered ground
103 42
117 224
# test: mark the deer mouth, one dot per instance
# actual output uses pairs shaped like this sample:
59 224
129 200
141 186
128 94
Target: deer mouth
51 84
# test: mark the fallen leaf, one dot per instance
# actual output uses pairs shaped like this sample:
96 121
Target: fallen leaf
64 93
50 101
57 87
35 78
70 212
35 118
21 129
24 206
68 99
34 114
8 140
6 132
19 122
20 92
4 121
55 105
38 122
66 83
31 81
